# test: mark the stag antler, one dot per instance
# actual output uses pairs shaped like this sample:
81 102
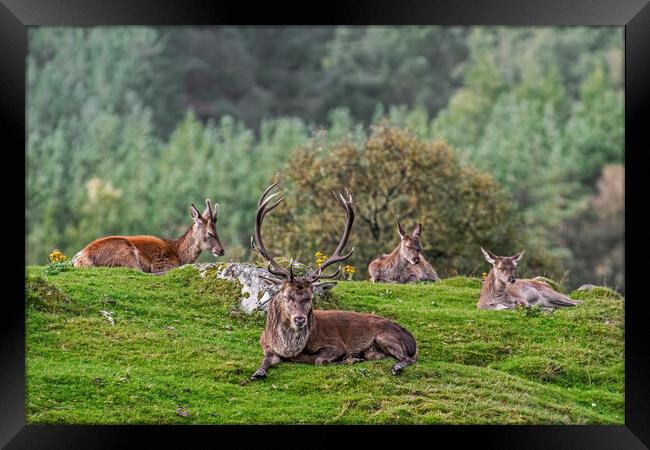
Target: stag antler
346 204
263 208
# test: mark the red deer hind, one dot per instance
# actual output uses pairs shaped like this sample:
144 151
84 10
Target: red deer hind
501 290
405 264
153 254
296 332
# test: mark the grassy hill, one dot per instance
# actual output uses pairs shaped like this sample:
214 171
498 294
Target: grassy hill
180 352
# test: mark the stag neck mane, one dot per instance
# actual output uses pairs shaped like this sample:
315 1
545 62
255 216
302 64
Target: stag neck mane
186 246
280 335
493 290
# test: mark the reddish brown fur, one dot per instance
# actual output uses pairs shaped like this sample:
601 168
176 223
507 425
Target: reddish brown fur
405 264
152 254
328 336
295 332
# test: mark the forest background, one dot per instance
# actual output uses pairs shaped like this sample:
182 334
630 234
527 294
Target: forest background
509 138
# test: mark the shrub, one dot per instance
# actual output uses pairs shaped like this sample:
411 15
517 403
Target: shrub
392 175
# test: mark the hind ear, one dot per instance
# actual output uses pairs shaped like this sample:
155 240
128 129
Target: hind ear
417 230
210 212
489 256
400 230
217 208
517 256
196 215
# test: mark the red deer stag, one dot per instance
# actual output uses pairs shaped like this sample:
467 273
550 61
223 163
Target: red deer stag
405 264
501 290
296 332
153 254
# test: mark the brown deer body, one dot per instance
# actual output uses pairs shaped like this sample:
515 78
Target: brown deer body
501 290
296 332
152 254
405 264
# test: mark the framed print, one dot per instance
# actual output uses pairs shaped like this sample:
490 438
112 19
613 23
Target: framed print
377 219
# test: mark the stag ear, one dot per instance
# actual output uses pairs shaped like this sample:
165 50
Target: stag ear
417 230
196 215
516 257
489 257
400 230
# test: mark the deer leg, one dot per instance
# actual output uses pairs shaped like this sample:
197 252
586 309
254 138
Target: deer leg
164 265
373 353
498 306
269 360
556 299
132 263
391 345
160 270
328 354
127 257
524 302
306 358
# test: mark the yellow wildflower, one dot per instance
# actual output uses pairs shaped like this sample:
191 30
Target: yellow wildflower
320 258
349 270
57 256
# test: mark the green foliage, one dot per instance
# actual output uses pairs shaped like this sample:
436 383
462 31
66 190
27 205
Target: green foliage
174 343
595 131
393 176
595 234
57 267
88 129
411 66
128 125
543 124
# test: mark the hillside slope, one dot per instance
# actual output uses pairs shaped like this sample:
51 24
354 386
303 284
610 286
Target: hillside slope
180 352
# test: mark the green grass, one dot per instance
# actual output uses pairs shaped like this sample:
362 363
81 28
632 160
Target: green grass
179 340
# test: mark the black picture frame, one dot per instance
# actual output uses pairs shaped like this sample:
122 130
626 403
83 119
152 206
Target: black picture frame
633 15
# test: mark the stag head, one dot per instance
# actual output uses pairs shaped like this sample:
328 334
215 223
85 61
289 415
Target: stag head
295 292
205 228
504 266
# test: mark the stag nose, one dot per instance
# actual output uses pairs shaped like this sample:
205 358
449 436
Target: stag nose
416 260
300 321
221 252
511 279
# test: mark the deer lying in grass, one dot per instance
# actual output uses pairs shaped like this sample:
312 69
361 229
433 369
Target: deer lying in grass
501 290
405 264
153 254
296 332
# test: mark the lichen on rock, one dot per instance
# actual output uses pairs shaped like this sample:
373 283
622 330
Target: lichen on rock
256 291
